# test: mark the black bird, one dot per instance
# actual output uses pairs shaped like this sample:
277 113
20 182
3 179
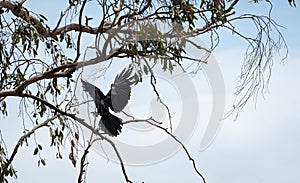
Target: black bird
116 99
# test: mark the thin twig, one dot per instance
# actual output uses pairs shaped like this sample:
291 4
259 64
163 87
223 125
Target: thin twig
182 145
20 142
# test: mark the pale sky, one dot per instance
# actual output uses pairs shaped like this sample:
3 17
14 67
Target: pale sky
261 146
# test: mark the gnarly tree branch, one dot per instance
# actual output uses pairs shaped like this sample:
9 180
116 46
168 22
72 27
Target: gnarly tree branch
83 163
19 11
46 75
55 73
117 13
23 13
136 13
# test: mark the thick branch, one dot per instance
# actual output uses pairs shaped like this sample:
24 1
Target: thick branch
46 75
232 5
19 11
83 164
55 73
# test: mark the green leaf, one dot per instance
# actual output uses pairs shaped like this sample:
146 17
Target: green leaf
165 64
43 17
145 69
170 66
43 162
136 78
40 147
42 109
36 150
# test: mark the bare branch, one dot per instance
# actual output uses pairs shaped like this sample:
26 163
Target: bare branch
155 123
83 164
182 145
153 82
62 15
80 30
120 159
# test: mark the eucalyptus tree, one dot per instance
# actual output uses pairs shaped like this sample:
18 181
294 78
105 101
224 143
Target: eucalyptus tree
42 56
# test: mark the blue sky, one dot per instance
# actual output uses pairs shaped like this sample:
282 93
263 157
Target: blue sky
262 146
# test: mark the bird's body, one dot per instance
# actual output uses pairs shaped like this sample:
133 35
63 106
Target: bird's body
116 99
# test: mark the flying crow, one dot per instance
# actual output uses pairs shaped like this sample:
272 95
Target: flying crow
116 99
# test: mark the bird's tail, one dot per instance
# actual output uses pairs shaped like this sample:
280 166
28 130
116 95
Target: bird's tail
111 124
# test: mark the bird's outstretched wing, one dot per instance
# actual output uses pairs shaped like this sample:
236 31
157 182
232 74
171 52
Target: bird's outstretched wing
94 92
119 93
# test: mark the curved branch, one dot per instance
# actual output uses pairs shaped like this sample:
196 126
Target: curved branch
80 30
19 11
135 13
182 145
19 143
83 163
56 73
119 157
155 123
46 75
81 121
